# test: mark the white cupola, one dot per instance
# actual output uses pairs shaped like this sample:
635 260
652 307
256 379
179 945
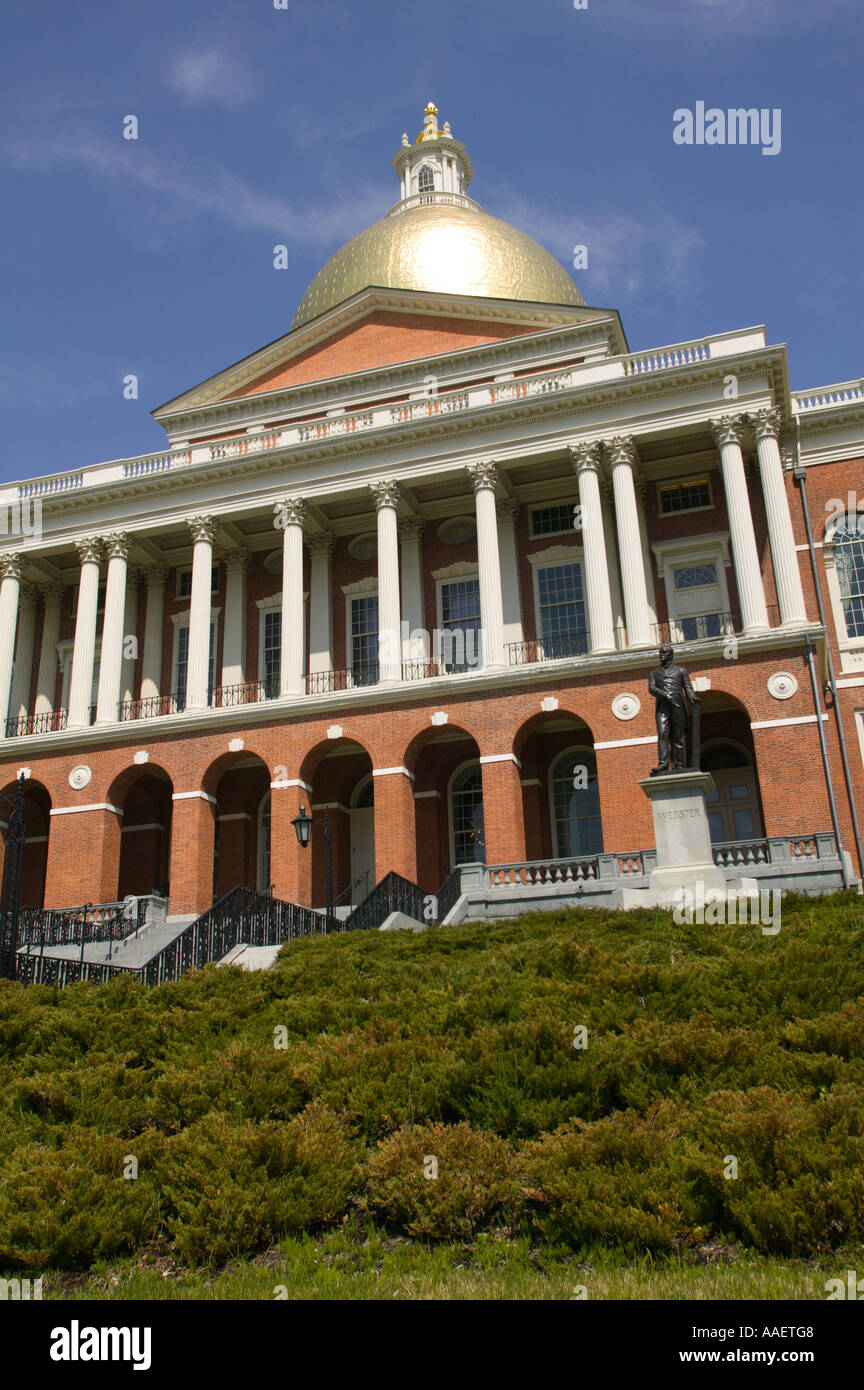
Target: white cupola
436 167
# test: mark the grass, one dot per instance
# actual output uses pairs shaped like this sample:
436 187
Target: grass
281 1122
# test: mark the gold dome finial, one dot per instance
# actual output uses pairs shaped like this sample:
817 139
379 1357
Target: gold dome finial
430 129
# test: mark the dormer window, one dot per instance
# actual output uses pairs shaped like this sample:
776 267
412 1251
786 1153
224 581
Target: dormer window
426 180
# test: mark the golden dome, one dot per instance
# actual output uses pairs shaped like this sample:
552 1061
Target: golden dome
445 248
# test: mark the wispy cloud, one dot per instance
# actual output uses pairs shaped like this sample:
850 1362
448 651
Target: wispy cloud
711 22
184 193
628 258
211 75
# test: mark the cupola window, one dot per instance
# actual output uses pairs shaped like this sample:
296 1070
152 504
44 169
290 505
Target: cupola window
426 180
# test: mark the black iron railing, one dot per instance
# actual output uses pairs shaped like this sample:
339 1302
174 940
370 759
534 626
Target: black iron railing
421 670
245 693
324 682
151 707
393 894
48 723
573 643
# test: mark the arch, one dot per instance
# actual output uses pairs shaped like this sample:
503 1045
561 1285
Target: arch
548 720
574 808
363 795
426 179
37 821
734 806
336 770
329 748
435 734
433 756
144 794
238 782
539 743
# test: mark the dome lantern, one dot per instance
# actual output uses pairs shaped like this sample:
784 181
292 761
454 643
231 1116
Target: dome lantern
435 164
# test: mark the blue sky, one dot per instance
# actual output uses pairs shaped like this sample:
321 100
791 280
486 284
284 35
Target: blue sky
260 126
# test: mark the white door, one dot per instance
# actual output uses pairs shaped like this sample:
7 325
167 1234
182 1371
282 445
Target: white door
362 853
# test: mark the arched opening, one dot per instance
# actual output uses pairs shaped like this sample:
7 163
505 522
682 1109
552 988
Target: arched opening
340 774
240 784
426 180
561 792
727 752
848 554
37 820
144 794
445 760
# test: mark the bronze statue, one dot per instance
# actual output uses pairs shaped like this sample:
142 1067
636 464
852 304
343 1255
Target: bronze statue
669 684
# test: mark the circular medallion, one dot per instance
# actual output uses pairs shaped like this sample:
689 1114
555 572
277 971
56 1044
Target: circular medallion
626 706
80 776
782 685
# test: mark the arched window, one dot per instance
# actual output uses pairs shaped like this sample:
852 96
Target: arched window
848 539
364 794
576 824
263 871
466 814
426 180
733 806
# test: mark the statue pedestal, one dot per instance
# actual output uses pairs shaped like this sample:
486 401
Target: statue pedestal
684 857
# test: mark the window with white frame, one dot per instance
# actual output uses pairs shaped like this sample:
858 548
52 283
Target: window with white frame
271 651
557 520
562 624
466 816
363 616
697 599
849 564
181 662
461 638
697 608
577 827
426 180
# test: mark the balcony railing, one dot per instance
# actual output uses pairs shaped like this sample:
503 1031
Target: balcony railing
325 682
245 693
151 707
36 724
549 648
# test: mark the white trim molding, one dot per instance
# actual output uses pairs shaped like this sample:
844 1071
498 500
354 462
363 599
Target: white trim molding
500 758
776 723
391 771
191 796
94 806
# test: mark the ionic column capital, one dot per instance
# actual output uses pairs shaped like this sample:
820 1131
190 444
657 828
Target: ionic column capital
483 474
585 456
236 560
507 509
622 449
289 511
727 429
11 566
320 543
203 528
766 423
386 493
117 545
411 528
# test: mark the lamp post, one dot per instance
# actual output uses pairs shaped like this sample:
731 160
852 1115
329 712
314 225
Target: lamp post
303 826
10 896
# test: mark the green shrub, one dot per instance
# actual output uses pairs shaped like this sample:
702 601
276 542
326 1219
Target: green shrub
70 1204
234 1187
475 1183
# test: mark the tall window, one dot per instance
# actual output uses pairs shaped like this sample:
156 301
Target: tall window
263 866
364 639
426 181
697 592
181 672
562 623
271 651
576 805
849 562
466 811
460 620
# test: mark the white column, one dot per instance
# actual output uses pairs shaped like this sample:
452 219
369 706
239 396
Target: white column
483 478
787 576
46 680
727 435
411 555
151 663
507 510
320 547
10 569
130 638
386 493
198 669
24 649
83 652
111 661
623 458
234 637
586 461
646 554
291 511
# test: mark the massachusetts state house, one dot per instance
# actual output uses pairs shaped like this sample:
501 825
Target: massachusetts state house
410 564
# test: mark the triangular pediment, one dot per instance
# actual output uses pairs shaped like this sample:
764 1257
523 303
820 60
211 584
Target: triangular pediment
378 328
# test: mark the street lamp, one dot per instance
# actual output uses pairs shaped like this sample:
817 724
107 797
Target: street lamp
303 826
11 891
